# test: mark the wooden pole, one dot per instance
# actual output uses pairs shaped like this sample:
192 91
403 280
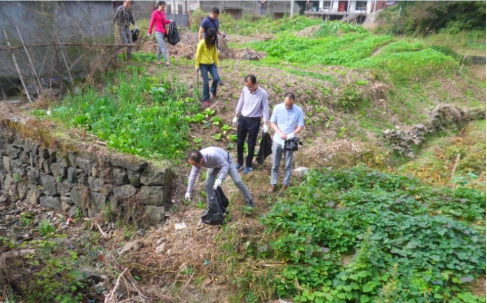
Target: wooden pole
17 67
36 77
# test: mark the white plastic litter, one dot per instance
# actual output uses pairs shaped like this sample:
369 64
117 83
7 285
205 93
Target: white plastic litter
179 226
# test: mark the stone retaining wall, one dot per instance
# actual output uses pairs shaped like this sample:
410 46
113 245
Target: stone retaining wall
75 181
441 117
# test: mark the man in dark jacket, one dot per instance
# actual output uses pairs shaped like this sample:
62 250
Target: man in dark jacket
123 17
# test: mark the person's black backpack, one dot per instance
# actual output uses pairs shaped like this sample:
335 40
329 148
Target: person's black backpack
215 214
135 35
173 34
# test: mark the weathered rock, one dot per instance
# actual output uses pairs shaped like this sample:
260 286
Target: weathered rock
95 171
33 195
53 155
27 144
34 147
64 187
22 189
153 215
75 195
153 195
97 201
79 195
134 177
65 206
119 177
72 177
6 163
58 170
124 191
46 165
8 182
50 202
95 184
106 189
129 162
63 160
44 153
12 151
153 176
49 184
40 164
37 161
2 179
72 158
302 170
24 157
18 142
33 174
13 193
67 200
83 179
18 168
84 164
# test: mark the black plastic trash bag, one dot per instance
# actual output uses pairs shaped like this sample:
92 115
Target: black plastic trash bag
215 214
265 148
173 34
135 34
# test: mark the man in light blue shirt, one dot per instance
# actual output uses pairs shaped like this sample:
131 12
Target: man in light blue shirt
287 120
220 163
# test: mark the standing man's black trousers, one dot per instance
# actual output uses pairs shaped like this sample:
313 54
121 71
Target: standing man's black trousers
251 127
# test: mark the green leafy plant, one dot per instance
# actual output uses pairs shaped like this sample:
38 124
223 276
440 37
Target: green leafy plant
17 178
45 228
201 205
122 116
216 120
226 128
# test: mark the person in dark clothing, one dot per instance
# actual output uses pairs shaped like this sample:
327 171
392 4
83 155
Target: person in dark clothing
123 18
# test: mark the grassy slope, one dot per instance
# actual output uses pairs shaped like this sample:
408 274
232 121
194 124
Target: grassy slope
416 78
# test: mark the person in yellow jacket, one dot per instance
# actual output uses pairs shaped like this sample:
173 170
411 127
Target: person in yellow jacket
207 62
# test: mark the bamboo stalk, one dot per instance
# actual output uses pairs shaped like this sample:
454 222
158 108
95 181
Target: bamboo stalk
454 168
37 80
17 67
66 62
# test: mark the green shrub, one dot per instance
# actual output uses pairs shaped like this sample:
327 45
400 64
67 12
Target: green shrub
445 50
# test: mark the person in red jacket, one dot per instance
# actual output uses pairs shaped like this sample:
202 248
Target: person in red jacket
159 21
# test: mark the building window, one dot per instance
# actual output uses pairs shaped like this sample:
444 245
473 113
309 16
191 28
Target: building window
361 6
327 5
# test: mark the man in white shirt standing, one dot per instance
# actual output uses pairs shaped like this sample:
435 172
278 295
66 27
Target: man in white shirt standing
287 120
252 106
